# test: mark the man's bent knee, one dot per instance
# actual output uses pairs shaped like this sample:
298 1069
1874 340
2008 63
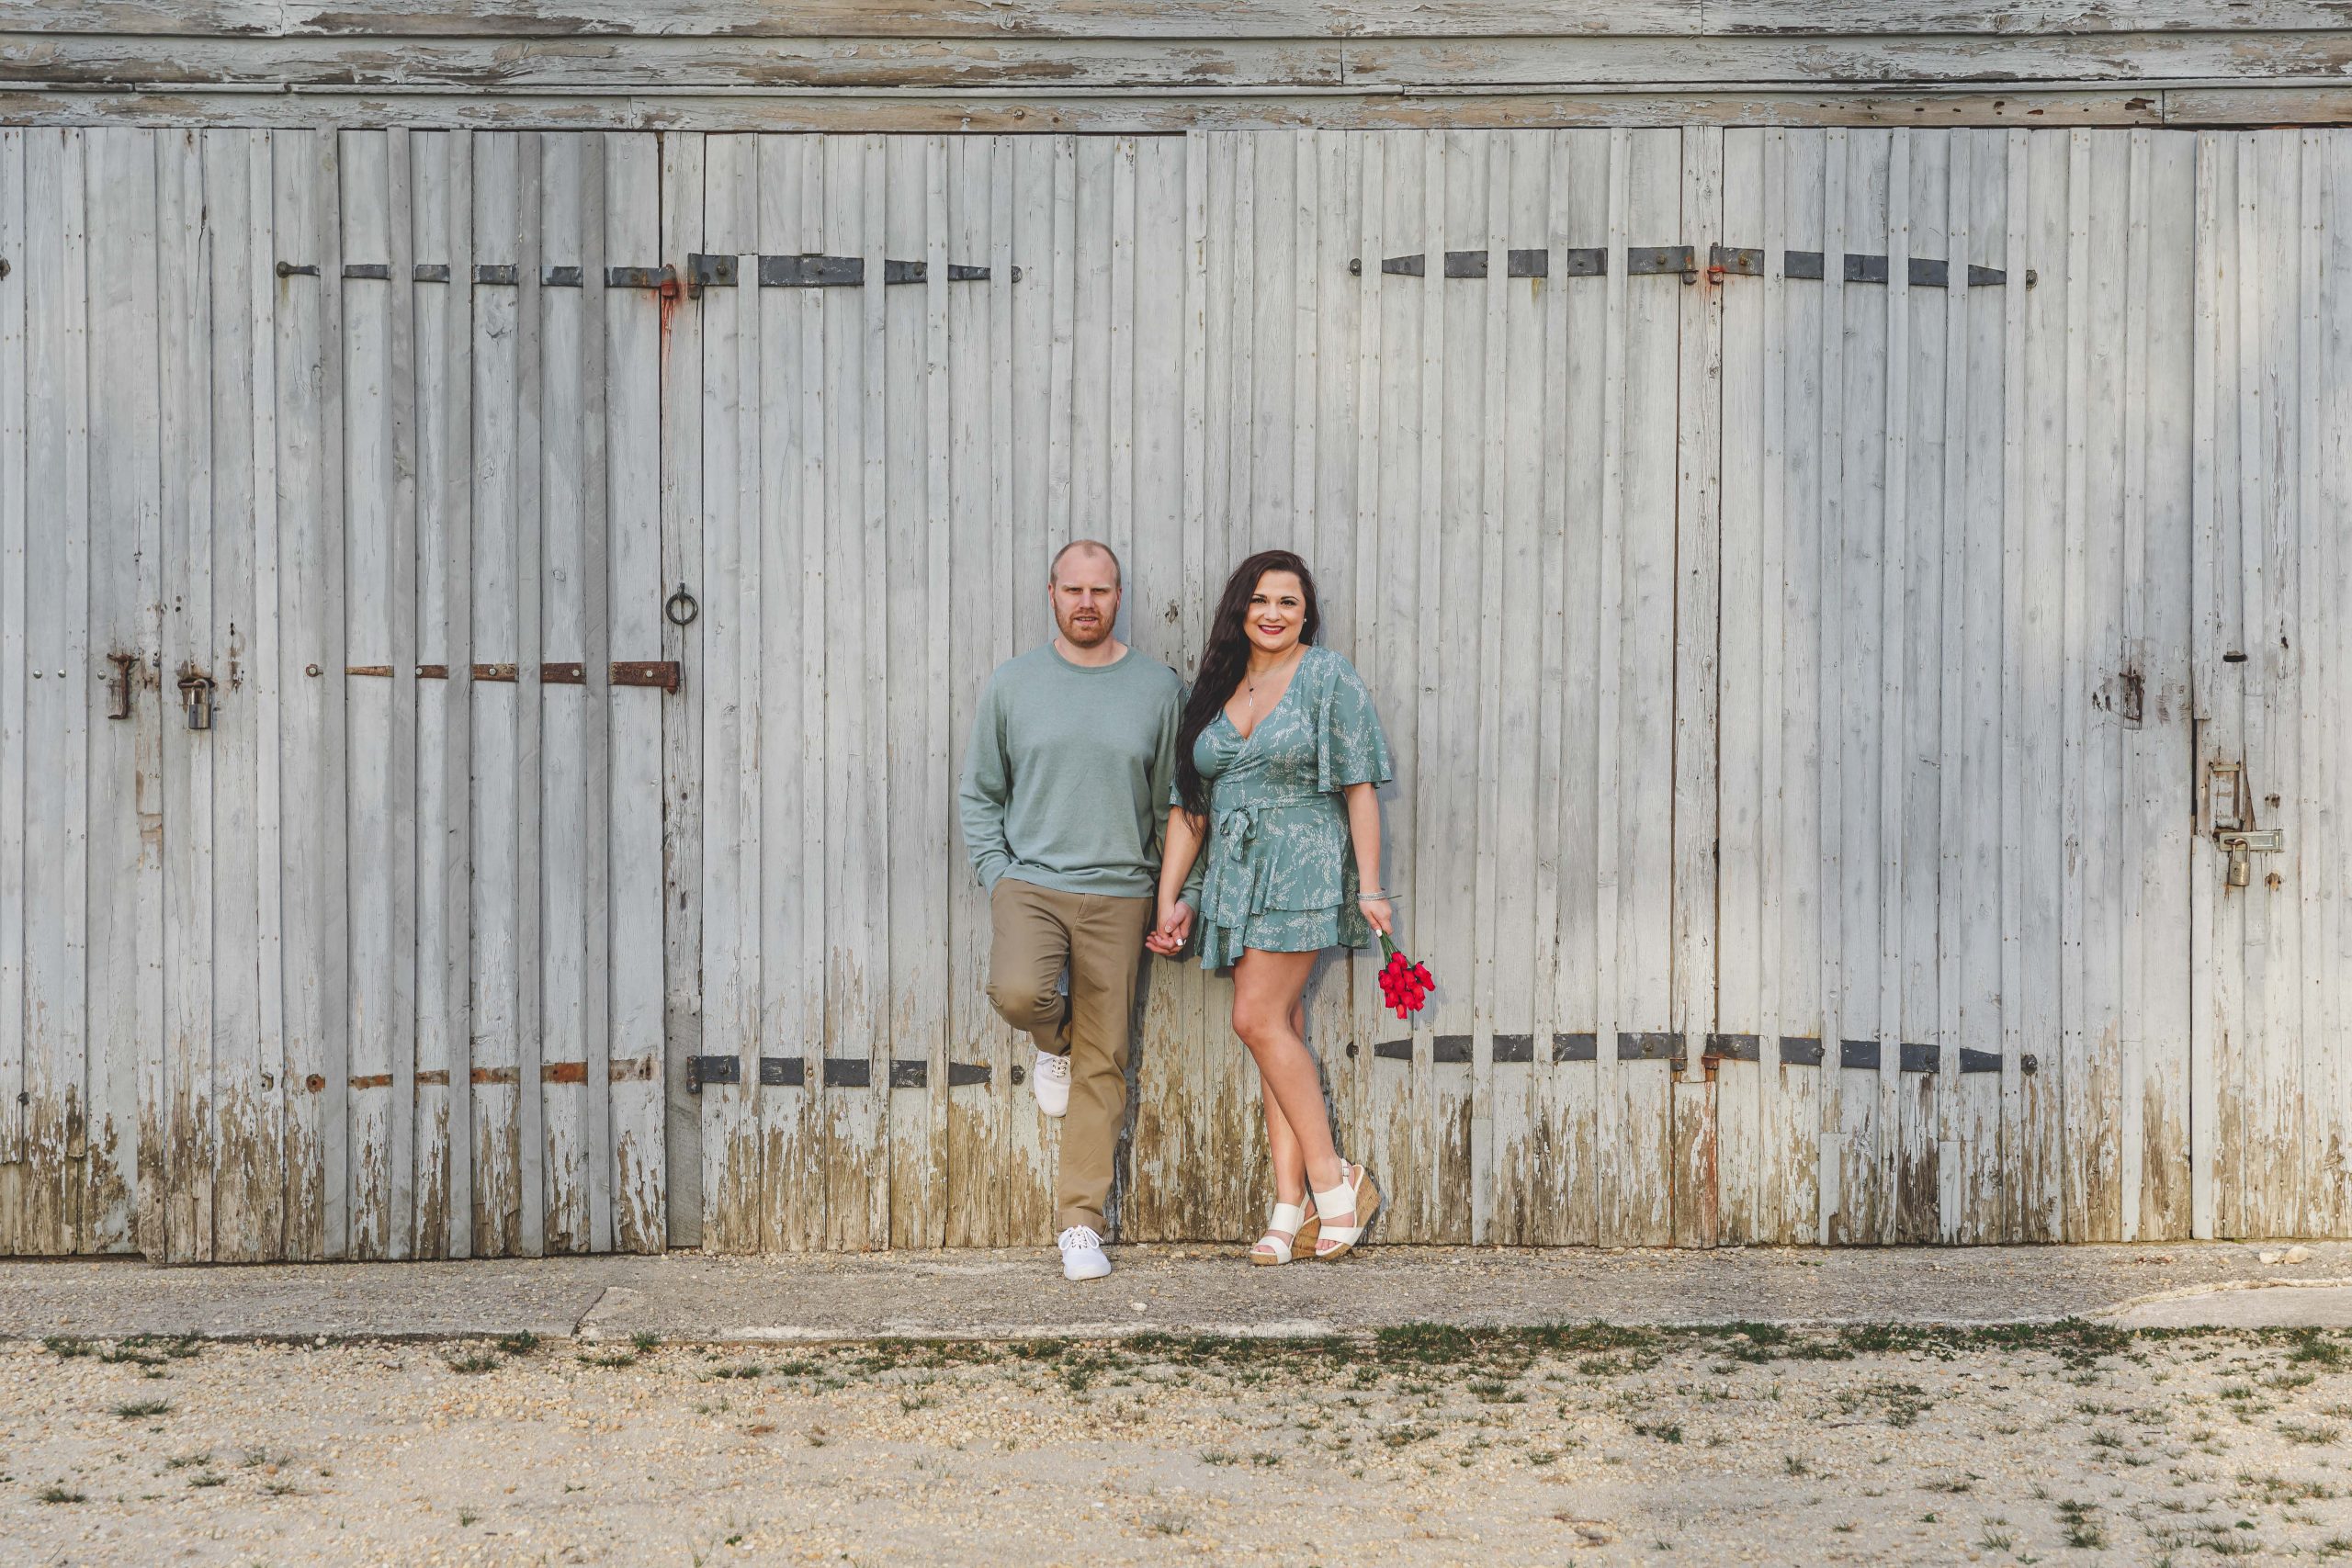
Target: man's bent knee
1026 1007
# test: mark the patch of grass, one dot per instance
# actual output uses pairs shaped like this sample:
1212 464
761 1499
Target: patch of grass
642 1342
610 1359
205 1478
60 1495
152 1350
66 1345
466 1517
185 1460
746 1370
521 1344
2081 1531
2279 1489
472 1361
1794 1464
140 1409
2317 1346
2297 1432
1664 1431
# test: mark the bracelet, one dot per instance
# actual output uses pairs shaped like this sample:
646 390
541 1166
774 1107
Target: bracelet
1364 893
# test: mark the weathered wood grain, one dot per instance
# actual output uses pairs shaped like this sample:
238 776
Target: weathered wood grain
16 666
683 991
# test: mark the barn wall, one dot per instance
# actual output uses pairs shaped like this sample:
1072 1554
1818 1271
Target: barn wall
1809 692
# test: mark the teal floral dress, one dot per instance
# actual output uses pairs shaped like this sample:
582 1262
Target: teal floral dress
1282 871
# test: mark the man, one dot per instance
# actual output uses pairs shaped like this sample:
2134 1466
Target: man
1065 785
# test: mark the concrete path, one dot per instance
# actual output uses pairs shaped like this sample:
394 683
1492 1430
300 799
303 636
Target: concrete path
1009 1295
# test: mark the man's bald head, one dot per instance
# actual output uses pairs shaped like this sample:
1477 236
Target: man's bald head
1088 551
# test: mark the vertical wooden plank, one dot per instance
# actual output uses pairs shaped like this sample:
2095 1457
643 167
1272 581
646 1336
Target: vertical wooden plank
175 1209
1974 1110
595 945
1831 614
1698 559
261 1177
373 479
1793 491
1493 238
124 1046
531 431
804 1161
441 209
975 1118
931 869
15 743
2135 591
494 1075
732 1186
681 372
2208 967
780 395
2276 1149
312 655
1960 542
1897 1156
2109 530
1612 1143
2074 1067
2165 796
1747 672
57 639
555 580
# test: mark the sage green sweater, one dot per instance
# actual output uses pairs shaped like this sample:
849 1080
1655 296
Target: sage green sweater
1069 768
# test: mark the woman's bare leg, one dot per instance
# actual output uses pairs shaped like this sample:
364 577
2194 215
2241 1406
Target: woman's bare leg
1269 1016
1281 1145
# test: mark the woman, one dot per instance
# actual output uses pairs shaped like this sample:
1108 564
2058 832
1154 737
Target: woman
1278 758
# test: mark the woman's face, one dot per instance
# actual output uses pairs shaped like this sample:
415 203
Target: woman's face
1277 611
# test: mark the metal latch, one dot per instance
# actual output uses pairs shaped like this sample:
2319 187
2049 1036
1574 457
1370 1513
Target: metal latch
196 699
2242 843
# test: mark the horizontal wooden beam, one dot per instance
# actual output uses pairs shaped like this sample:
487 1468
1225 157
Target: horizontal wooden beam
1175 67
2208 105
1150 18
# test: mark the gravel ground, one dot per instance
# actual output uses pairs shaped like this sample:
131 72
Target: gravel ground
2066 1443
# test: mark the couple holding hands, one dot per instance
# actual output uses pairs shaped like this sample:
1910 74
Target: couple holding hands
1266 772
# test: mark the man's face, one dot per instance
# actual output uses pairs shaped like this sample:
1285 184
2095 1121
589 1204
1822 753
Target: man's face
1086 598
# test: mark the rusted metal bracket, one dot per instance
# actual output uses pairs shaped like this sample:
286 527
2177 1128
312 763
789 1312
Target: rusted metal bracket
662 277
124 664
701 1070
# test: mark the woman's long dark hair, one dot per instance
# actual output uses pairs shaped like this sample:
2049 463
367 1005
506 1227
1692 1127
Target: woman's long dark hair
1226 658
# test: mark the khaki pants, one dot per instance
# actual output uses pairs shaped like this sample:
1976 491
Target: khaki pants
1037 930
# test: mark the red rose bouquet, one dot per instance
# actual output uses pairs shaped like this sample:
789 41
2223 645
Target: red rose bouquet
1404 985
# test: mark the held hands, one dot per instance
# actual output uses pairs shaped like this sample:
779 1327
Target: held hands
1174 930
1376 910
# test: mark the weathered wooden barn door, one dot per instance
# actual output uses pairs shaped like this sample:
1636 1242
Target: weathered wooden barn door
401 778
80 861
1520 398
2272 442
1955 734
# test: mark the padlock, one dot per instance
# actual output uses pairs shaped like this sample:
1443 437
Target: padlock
196 699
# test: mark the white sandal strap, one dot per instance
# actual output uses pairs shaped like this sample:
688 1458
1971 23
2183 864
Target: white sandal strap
1342 1198
1275 1245
1287 1217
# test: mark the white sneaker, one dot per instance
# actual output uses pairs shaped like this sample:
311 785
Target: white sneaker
1050 1078
1082 1256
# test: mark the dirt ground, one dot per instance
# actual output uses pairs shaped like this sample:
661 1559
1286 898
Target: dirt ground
2062 1443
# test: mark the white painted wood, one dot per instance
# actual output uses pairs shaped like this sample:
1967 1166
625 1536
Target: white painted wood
1948 522
494 1072
15 667
173 1212
683 993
